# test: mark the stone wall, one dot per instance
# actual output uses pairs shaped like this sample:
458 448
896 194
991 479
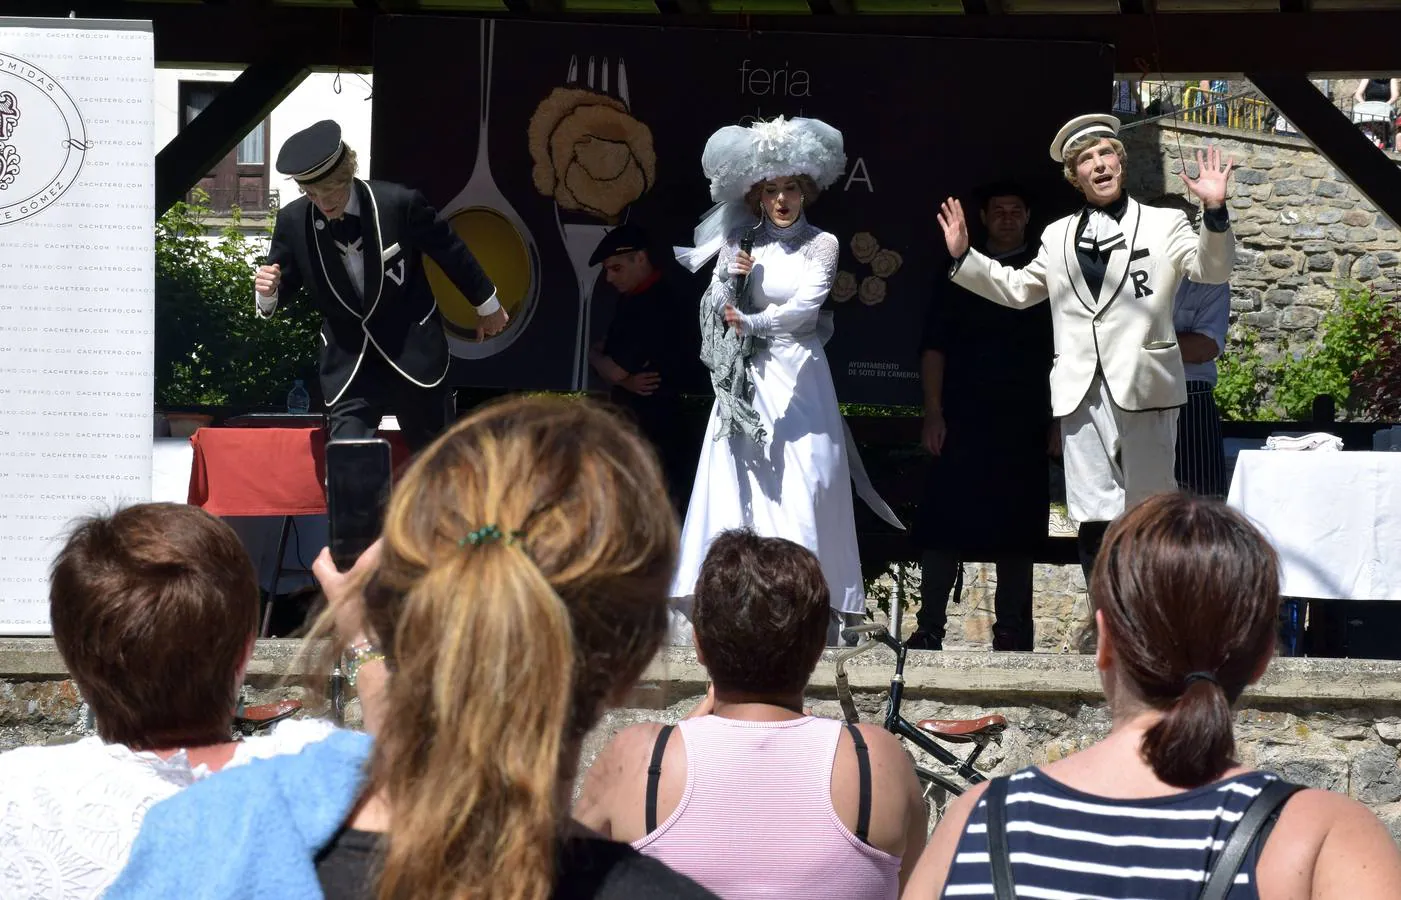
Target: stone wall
1328 723
1303 231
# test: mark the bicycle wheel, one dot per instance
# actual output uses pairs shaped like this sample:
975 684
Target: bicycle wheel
938 792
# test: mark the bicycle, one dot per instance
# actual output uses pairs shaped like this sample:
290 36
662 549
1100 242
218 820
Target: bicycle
938 789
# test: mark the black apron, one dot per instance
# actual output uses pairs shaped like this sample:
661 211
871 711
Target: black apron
656 331
988 493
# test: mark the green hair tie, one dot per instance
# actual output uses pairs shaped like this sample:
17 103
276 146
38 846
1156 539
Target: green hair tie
487 534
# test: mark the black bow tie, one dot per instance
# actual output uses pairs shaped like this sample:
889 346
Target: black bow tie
346 231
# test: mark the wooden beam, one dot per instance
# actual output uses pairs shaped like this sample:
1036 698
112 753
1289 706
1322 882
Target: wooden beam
534 7
246 101
1326 127
1187 44
682 7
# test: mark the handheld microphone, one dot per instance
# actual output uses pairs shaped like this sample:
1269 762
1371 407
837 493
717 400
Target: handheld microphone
746 245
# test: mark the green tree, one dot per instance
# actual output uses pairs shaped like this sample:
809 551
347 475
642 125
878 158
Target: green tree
211 348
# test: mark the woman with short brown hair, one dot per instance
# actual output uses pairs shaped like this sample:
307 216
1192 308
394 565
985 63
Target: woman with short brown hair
752 796
154 609
1186 597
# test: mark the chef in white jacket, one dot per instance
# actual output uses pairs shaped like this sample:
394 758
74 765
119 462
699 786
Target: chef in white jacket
1110 271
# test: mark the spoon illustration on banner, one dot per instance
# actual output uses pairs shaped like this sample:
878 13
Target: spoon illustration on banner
497 236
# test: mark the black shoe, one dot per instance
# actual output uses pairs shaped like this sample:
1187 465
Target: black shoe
924 640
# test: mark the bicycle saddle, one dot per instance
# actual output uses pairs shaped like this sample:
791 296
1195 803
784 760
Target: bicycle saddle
963 730
257 718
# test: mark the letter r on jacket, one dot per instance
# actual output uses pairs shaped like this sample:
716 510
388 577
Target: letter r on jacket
1140 285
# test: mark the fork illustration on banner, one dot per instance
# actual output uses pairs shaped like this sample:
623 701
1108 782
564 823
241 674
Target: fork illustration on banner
581 231
594 160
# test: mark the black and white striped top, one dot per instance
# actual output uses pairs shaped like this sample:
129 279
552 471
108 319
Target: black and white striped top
1068 845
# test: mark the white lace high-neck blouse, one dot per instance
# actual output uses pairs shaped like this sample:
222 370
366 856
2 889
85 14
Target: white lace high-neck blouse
69 814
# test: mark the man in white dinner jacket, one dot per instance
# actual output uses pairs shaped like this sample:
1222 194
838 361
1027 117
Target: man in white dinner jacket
1111 271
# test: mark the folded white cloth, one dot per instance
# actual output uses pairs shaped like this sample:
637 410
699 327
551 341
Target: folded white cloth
1318 440
1387 439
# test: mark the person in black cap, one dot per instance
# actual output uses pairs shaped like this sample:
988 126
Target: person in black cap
649 356
988 427
356 247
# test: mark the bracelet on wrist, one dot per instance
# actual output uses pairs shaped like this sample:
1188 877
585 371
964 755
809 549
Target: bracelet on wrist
357 655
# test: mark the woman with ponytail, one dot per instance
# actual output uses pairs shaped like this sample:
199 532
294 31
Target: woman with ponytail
1185 594
518 592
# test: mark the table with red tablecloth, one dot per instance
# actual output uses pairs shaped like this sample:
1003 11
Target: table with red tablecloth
266 471
267 484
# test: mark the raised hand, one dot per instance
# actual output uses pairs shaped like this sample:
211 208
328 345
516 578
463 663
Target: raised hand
1210 184
955 226
267 279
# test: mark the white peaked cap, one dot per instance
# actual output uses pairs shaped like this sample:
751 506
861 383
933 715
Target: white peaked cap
1095 124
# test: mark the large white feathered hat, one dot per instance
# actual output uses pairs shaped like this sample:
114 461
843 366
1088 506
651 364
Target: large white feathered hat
737 157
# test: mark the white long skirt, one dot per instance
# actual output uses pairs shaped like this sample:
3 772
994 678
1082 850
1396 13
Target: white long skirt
798 486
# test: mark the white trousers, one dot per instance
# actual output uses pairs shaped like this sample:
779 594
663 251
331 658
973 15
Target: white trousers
1113 457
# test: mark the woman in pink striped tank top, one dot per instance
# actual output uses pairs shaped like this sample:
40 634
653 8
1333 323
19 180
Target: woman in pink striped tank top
750 796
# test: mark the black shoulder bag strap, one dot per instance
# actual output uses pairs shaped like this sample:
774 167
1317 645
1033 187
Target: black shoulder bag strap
654 776
863 768
1257 816
999 857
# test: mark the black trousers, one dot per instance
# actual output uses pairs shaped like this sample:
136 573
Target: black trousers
662 421
1012 629
1201 455
378 390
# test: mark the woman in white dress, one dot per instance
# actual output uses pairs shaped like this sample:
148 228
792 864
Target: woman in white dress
775 455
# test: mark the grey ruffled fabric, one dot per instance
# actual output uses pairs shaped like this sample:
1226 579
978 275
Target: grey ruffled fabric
727 354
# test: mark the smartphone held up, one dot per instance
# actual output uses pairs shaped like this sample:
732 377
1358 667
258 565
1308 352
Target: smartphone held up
359 474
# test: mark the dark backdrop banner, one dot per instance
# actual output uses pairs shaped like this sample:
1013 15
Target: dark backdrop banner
534 138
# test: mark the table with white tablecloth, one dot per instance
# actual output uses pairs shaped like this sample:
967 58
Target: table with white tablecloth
1334 518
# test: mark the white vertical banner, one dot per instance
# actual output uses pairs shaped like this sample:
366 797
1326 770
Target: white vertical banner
77 289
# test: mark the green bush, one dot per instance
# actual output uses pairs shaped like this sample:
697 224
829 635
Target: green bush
1241 378
1350 337
211 348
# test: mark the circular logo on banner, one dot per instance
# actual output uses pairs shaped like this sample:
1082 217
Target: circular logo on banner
42 140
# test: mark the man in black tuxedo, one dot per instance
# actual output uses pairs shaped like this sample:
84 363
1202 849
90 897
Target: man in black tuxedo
357 249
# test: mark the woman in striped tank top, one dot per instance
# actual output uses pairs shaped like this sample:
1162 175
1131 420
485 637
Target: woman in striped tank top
1185 595
750 796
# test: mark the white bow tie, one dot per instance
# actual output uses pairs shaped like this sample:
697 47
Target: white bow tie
1101 234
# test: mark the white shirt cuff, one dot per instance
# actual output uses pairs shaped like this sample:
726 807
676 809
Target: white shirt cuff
265 305
490 306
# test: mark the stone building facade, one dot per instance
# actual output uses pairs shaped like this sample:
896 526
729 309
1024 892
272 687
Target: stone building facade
1302 230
